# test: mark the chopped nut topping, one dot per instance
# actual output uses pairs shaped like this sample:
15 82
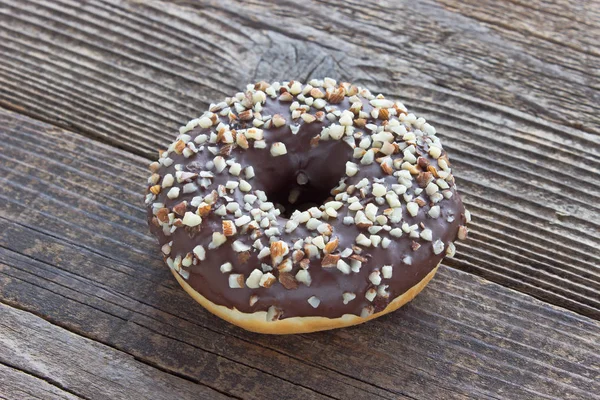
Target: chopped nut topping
462 232
236 281
180 208
297 256
308 118
199 252
412 208
314 301
242 141
343 266
245 115
387 169
438 246
279 249
288 280
367 311
253 299
379 190
285 266
254 278
191 219
239 246
243 220
426 234
348 297
424 178
303 276
203 209
337 96
217 240
274 313
435 152
375 277
331 246
371 294
330 261
387 271
267 280
278 149
163 215
450 250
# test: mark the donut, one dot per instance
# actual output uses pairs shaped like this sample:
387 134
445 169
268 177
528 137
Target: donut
292 208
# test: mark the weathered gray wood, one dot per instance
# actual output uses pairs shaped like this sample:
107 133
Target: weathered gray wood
151 62
513 88
117 253
75 250
85 367
18 385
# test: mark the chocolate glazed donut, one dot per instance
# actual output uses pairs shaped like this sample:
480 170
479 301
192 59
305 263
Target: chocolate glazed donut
294 208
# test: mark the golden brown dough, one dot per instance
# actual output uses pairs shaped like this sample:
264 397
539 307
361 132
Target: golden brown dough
257 321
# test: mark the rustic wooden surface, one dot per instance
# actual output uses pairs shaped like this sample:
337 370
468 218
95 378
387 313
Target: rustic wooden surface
81 367
91 89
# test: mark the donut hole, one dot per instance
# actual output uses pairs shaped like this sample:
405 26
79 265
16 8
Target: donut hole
305 177
310 178
300 193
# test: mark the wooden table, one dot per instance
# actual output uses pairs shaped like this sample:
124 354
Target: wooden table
90 90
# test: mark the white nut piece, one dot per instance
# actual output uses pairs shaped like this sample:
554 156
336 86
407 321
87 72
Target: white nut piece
426 234
386 270
379 190
236 281
254 279
344 267
238 246
199 252
217 240
191 219
314 301
173 193
226 268
351 168
438 247
412 208
278 149
375 277
303 276
347 297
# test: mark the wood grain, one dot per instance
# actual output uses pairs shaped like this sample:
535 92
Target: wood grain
513 88
515 103
18 385
75 251
83 367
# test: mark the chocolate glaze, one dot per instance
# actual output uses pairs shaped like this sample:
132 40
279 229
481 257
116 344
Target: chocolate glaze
324 165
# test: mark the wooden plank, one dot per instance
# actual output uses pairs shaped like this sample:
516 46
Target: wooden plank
129 73
143 48
75 250
83 367
18 385
571 26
